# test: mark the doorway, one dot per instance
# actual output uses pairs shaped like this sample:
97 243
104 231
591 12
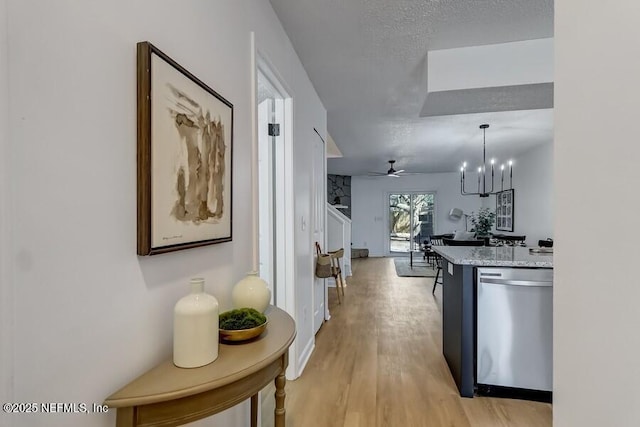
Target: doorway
269 101
273 184
411 220
273 190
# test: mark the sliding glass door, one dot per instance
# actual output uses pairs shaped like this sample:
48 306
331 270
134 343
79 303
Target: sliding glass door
411 220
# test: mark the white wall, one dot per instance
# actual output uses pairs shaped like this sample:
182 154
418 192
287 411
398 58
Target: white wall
533 185
533 194
504 64
370 206
90 315
597 287
6 270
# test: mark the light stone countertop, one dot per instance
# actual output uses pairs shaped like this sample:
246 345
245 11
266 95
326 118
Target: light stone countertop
499 256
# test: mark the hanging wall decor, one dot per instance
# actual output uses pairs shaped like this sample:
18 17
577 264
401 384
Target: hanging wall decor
185 139
504 210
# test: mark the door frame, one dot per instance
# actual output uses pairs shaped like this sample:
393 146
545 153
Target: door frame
387 231
283 193
318 230
285 290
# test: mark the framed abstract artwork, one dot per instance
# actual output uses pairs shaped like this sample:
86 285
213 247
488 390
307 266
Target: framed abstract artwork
504 210
185 141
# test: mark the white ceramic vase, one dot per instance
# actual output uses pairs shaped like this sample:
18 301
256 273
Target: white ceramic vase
252 292
195 328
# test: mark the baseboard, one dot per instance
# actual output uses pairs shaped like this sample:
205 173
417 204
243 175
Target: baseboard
514 393
347 270
306 355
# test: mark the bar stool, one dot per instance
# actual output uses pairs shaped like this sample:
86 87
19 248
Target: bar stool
336 271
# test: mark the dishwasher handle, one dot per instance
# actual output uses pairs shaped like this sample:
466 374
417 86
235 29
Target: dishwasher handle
515 282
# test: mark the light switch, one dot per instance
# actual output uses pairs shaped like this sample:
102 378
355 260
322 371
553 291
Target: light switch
450 268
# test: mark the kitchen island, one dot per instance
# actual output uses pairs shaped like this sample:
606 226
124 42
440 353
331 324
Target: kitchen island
459 316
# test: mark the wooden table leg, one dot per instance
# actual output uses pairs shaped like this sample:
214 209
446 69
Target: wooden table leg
279 412
254 410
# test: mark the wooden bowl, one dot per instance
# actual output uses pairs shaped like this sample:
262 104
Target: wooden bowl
242 334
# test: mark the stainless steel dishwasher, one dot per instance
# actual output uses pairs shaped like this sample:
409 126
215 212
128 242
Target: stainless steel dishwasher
514 353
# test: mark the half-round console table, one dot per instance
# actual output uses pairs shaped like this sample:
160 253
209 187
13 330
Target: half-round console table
171 396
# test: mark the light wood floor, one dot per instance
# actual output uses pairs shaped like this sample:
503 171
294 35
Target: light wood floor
378 362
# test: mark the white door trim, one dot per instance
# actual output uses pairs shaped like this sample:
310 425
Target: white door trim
285 219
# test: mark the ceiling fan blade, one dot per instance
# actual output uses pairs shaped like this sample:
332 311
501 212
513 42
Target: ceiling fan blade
391 172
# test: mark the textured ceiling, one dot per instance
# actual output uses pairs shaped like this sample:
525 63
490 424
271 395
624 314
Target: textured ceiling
368 62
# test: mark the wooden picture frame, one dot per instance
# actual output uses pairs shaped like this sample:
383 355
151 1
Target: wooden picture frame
185 141
505 210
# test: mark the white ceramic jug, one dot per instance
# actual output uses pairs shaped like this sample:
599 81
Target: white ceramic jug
195 328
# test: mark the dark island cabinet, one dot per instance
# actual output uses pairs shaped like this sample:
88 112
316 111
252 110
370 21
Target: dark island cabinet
458 320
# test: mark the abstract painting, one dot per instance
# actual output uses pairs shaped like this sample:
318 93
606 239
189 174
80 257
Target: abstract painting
185 138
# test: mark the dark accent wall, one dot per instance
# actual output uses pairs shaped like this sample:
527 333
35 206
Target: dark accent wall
339 192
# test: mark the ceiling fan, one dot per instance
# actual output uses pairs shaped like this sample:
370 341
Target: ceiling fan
391 172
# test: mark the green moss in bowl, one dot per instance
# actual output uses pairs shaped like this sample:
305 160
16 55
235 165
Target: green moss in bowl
241 318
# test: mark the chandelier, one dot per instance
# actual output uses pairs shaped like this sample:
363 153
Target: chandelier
483 191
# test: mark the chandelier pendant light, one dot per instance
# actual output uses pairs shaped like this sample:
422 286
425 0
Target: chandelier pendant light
483 191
